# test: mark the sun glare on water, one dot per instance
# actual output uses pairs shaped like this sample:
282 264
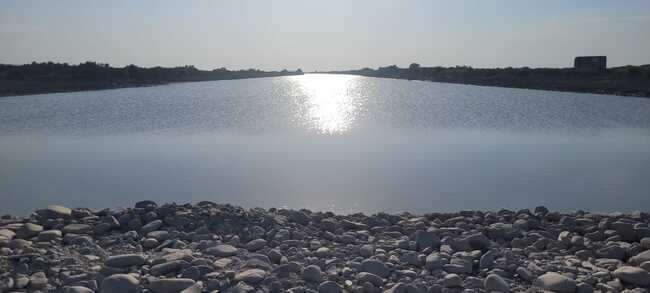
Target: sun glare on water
330 103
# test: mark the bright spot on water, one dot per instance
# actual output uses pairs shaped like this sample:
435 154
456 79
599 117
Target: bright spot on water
330 101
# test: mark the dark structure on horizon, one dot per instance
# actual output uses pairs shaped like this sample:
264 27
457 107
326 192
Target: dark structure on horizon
590 62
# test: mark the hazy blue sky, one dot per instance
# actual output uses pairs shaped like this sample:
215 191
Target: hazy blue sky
333 34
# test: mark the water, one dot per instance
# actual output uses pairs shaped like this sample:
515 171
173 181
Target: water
326 142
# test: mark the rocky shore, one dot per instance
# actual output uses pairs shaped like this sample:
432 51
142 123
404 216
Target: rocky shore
208 247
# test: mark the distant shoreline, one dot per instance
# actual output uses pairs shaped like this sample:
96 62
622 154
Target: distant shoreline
83 89
631 81
45 78
42 78
119 86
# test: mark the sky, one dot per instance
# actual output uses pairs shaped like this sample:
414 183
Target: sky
325 35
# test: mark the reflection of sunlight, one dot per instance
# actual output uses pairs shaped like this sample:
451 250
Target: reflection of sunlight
331 103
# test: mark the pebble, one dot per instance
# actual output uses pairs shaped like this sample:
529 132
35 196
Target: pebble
556 282
370 278
170 285
151 226
640 258
119 283
256 244
55 211
49 235
494 282
168 267
425 239
329 287
77 289
452 280
312 273
252 276
645 242
125 260
367 250
28 230
376 267
433 262
222 250
38 281
633 275
77 228
209 247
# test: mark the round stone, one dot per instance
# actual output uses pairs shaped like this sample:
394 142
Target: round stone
556 282
433 262
49 235
329 287
633 275
494 282
370 278
171 285
367 250
640 258
252 276
124 260
376 267
38 281
312 273
150 243
119 283
28 230
256 244
645 243
222 250
55 211
452 280
77 289
77 228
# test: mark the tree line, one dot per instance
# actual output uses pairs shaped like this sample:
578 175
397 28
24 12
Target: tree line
623 80
49 76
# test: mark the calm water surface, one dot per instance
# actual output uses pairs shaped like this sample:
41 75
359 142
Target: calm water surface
326 142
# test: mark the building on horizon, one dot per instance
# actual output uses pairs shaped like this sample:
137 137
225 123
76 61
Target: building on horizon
590 62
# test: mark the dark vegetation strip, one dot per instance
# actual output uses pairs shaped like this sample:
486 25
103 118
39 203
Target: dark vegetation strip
50 77
624 81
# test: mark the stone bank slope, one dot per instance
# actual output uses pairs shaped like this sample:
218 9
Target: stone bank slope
209 247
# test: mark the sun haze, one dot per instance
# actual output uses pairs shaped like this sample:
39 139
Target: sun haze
324 35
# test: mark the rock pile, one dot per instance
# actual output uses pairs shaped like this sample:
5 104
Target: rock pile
208 247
